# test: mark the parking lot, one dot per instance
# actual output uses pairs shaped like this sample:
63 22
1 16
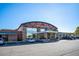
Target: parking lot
59 48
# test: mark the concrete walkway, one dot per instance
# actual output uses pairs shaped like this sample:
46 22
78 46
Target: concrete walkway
60 48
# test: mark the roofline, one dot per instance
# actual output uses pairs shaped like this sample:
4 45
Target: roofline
35 21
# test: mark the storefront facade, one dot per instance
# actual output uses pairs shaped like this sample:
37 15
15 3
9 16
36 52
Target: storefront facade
34 29
10 35
41 30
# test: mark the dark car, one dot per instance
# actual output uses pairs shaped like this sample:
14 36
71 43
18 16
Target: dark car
77 37
67 38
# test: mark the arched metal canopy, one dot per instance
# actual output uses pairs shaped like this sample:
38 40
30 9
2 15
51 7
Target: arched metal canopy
38 24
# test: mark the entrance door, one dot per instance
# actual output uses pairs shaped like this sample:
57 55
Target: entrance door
51 35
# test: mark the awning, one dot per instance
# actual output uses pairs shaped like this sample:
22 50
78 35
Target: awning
4 33
46 32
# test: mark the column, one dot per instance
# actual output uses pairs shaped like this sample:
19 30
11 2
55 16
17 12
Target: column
24 33
38 30
45 35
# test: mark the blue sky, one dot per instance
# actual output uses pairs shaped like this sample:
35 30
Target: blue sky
63 16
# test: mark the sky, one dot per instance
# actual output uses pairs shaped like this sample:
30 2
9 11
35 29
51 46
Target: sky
64 16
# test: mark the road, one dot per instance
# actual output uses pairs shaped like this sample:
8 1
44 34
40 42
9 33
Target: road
59 48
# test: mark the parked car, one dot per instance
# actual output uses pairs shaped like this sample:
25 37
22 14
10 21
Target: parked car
31 40
73 38
67 38
42 40
77 37
1 41
45 40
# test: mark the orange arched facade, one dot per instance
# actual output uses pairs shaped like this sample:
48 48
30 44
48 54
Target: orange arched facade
35 24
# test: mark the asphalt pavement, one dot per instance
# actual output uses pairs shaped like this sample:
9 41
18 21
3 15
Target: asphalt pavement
59 48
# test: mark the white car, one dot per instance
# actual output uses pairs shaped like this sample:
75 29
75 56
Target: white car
45 40
31 40
1 41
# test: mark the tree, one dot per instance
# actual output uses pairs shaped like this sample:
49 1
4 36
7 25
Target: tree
77 31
